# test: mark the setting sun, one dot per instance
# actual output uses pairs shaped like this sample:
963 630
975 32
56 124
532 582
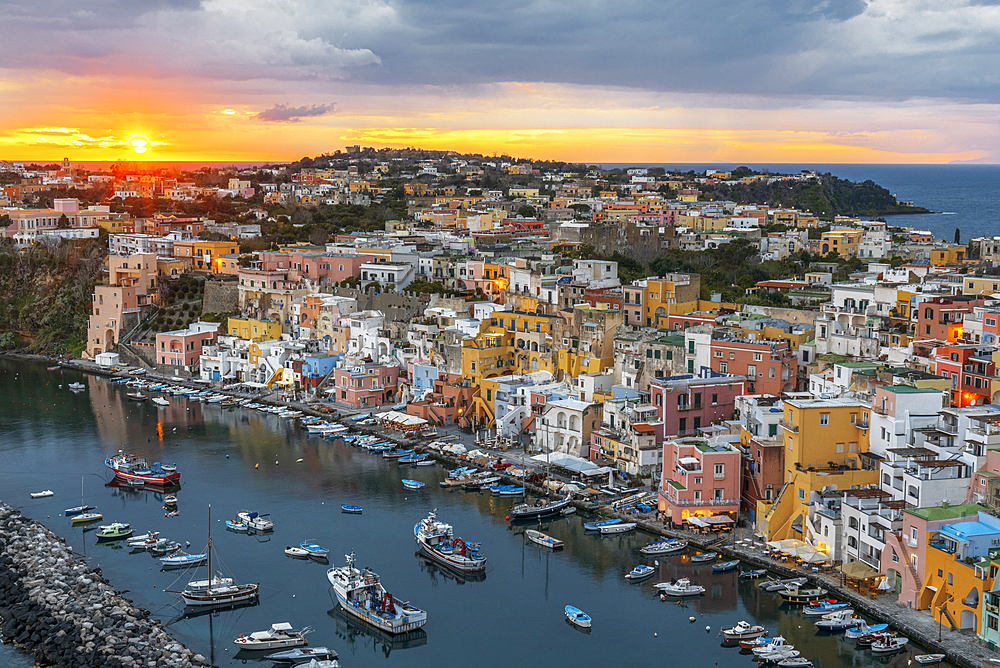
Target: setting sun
139 144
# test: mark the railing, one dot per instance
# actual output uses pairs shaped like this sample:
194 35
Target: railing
787 425
708 502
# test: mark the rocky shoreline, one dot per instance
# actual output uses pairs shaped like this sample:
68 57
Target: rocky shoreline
62 613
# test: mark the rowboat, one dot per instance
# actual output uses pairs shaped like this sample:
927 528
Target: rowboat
183 560
543 539
725 566
624 527
296 552
743 631
704 557
577 617
596 526
796 662
753 575
663 547
640 572
928 658
350 508
412 484
42 495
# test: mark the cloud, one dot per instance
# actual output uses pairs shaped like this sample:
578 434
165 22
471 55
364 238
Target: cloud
284 113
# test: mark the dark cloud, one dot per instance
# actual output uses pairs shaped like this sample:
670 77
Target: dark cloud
284 113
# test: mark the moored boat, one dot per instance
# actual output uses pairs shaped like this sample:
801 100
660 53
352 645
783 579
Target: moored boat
640 572
821 608
86 518
928 658
133 467
577 617
777 644
795 662
624 527
361 594
255 521
775 585
115 531
862 628
753 575
799 594
136 396
542 539
296 552
743 630
841 620
302 654
436 539
279 636
663 547
682 587
596 526
77 386
541 508
412 484
76 511
725 566
704 557
237 526
313 549
42 494
351 508
183 560
890 644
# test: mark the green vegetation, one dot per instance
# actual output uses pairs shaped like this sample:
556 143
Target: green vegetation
422 287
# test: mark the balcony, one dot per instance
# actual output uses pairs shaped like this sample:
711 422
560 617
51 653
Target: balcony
787 425
689 407
701 503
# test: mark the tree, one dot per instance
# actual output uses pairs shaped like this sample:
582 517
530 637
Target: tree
63 222
318 236
958 235
526 211
6 221
736 254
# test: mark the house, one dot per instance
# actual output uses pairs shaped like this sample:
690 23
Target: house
183 347
701 478
566 425
364 383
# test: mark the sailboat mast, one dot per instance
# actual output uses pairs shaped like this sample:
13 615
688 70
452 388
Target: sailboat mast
210 548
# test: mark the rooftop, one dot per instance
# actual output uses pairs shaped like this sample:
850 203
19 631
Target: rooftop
937 513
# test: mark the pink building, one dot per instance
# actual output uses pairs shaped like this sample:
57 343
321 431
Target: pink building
771 367
182 347
365 383
686 403
323 268
700 479
113 306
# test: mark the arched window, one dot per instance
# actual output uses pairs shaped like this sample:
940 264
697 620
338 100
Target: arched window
853 523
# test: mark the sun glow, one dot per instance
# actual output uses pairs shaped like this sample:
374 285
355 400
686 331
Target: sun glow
139 144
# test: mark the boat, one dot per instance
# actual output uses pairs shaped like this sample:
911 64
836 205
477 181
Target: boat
704 557
753 575
777 644
743 631
160 401
837 621
436 539
172 513
215 591
542 539
412 458
750 643
53 368
624 527
279 636
115 531
42 494
396 454
255 521
136 396
541 508
780 655
682 587
163 547
205 585
237 526
86 518
77 386
412 484
425 462
144 540
361 594
183 560
133 467
302 654
799 594
885 645
928 658
313 549
506 490
774 585
640 572
170 500
797 662
577 617
862 629
297 552
725 566
666 546
823 608
479 481
350 508
596 526
76 511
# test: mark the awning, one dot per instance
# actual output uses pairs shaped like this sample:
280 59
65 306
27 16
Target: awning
697 521
690 460
858 570
720 519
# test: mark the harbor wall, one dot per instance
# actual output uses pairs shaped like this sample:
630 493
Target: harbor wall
62 613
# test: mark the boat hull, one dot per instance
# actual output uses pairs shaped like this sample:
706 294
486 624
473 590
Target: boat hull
158 480
202 599
393 626
536 512
459 563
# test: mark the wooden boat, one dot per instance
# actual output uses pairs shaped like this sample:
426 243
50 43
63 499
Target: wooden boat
704 557
888 645
725 566
183 560
279 636
743 631
437 541
302 654
297 552
682 587
42 494
822 608
136 396
640 572
543 539
86 518
412 484
170 500
350 508
596 526
313 549
928 658
577 617
624 527
663 547
541 508
800 594
871 638
133 467
862 628
797 662
115 531
753 575
506 490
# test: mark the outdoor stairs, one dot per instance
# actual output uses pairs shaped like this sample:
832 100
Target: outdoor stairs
947 615
325 380
909 563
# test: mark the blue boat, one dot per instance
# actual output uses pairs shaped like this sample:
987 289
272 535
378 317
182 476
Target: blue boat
703 557
506 490
640 573
412 484
596 526
350 508
313 549
577 617
183 560
724 566
412 458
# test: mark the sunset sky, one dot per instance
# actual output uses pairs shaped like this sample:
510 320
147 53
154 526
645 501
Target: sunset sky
590 81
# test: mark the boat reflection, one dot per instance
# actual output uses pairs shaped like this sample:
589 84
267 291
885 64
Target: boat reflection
158 490
436 570
214 610
354 631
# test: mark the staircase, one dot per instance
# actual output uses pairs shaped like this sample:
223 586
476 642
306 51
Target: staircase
909 563
947 615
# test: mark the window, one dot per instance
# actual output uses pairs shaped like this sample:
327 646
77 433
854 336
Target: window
720 470
853 523
682 425
715 399
697 481
913 536
757 357
718 353
802 493
991 622
751 370
723 367
826 530
852 447
670 354
895 557
656 354
649 354
840 447
824 419
854 418
697 495
851 541
732 356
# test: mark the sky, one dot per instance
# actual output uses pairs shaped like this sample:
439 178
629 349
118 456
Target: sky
852 81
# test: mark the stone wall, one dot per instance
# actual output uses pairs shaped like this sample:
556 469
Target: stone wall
221 297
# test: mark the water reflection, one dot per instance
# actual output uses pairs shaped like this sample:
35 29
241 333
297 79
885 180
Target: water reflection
357 633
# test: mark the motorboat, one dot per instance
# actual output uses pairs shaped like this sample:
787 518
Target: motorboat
640 572
744 630
238 527
279 636
823 608
862 628
506 490
297 552
725 566
704 557
255 521
479 481
396 454
163 547
86 518
115 531
666 546
596 526
42 494
682 587
136 396
146 541
750 643
412 484
780 655
313 549
437 540
184 560
797 662
777 644
753 575
351 508
928 658
541 508
160 401
77 386
134 467
577 617
303 654
775 585
361 594
76 511
871 638
837 621
800 594
624 527
542 539
889 644
412 458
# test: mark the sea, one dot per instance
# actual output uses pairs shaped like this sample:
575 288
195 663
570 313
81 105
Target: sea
961 196
236 459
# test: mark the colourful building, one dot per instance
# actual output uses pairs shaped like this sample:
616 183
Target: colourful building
365 384
182 347
843 242
700 479
252 329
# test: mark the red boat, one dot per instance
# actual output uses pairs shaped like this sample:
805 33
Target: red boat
134 467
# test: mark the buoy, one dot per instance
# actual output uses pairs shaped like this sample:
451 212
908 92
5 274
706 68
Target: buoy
256 466
299 460
654 634
293 595
708 628
227 456
691 619
275 462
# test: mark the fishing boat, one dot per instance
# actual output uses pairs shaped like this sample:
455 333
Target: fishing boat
796 662
889 644
77 386
596 526
163 547
396 454
624 527
928 658
160 401
297 552
775 585
361 594
820 608
753 575
183 560
663 547
640 572
862 628
303 654
144 540
115 531
542 539
725 566
480 480
541 508
743 631
43 494
750 643
237 526
133 467
506 490
412 458
871 638
704 557
838 621
136 396
777 644
86 518
425 462
799 594
412 484
577 617
779 656
279 636
351 508
255 521
436 539
313 549
682 587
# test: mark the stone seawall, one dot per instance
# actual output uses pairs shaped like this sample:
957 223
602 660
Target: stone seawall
63 613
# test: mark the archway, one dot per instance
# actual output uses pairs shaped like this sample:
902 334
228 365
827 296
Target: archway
109 340
968 620
895 580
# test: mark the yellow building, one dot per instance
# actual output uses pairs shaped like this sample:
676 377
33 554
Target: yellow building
115 225
526 193
488 354
664 294
844 242
255 330
948 254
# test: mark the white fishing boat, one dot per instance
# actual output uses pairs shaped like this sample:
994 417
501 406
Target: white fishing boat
205 585
216 590
841 620
928 658
663 547
577 617
279 636
682 587
42 494
779 644
543 539
361 594
296 552
744 630
624 527
255 521
890 644
640 572
437 540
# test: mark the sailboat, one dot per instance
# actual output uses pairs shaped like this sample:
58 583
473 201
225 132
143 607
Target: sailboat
216 590
81 508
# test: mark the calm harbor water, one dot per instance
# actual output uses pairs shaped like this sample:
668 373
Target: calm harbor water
50 438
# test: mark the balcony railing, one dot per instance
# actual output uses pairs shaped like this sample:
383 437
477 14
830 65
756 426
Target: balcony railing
787 425
707 502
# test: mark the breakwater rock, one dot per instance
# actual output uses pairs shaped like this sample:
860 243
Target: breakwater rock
63 613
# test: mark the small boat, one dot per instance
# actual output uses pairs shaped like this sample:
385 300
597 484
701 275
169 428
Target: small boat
42 494
780 655
184 560
279 636
725 566
640 572
302 654
753 575
134 467
704 557
136 396
296 552
170 500
172 513
838 621
596 526
928 658
412 484
76 511
86 518
743 631
775 585
543 539
255 521
234 525
540 509
797 662
776 645
624 527
863 629
889 644
682 587
823 608
160 401
802 594
53 368
313 549
577 617
506 490
663 547
750 643
350 508
77 386
116 531
205 585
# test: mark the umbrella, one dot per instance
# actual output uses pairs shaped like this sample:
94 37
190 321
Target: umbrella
815 558
858 570
884 584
